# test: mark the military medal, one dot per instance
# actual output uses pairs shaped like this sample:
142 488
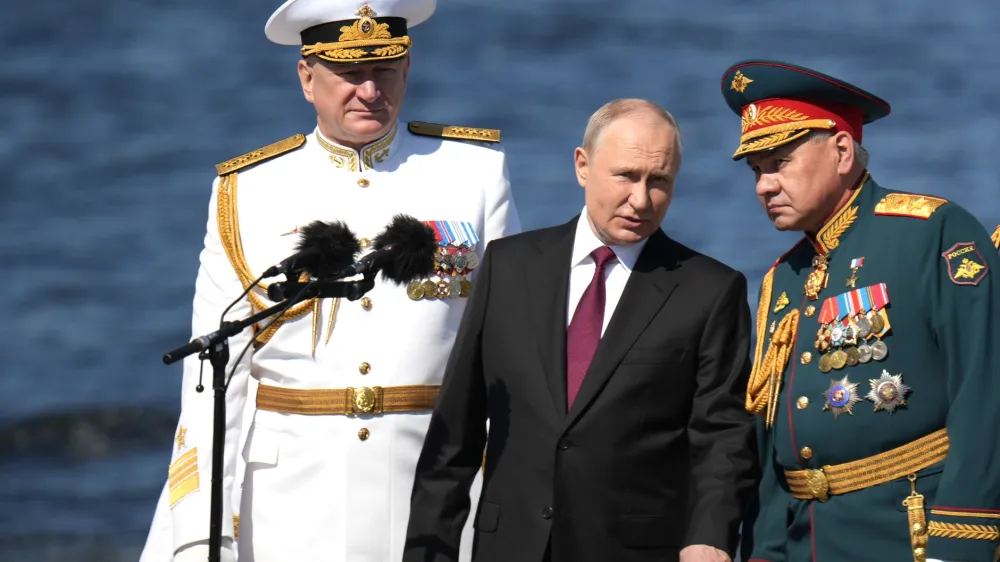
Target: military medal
838 359
471 259
824 363
864 353
879 350
429 288
816 281
460 261
837 336
888 392
466 288
850 335
841 397
443 288
856 264
877 324
853 356
415 290
454 287
823 338
864 327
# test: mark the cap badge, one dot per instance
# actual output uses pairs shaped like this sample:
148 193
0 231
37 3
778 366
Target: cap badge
366 27
740 82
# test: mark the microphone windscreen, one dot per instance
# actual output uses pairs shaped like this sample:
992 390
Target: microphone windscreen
413 246
333 245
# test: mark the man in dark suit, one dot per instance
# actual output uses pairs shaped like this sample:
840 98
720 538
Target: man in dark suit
611 363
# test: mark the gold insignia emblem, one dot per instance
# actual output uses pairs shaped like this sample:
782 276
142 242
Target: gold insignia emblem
181 437
782 302
366 27
968 269
817 279
740 82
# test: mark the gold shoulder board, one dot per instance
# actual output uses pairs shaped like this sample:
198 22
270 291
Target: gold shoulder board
996 237
909 205
261 154
453 132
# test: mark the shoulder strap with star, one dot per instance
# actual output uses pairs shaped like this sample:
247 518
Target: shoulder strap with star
996 237
911 205
261 154
453 132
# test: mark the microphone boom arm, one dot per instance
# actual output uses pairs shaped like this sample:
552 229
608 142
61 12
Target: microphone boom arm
215 347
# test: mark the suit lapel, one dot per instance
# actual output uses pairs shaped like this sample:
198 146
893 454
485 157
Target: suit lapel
547 283
650 284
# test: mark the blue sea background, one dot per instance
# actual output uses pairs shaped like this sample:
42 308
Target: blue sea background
113 115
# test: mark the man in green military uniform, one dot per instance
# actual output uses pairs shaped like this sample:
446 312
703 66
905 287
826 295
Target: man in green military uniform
877 367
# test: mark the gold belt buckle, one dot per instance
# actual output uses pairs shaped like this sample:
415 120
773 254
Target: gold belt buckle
363 400
818 484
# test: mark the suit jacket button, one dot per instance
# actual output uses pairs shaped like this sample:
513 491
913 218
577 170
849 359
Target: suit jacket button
547 513
563 444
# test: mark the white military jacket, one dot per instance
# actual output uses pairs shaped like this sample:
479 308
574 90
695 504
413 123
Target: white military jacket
330 488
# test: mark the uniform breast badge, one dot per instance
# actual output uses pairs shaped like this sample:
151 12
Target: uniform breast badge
966 265
453 262
782 302
841 397
888 392
817 279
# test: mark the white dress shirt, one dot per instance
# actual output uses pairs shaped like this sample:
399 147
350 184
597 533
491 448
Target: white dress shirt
616 271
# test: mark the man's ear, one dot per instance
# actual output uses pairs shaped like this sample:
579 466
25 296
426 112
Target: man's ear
845 152
582 165
306 76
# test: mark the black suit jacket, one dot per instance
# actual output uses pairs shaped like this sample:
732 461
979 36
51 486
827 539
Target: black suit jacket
657 452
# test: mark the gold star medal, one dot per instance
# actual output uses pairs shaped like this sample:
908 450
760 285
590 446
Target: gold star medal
888 392
841 397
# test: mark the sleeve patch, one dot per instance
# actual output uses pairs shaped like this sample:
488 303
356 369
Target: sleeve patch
966 265
183 476
963 531
909 205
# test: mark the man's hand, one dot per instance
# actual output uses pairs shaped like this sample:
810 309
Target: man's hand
703 553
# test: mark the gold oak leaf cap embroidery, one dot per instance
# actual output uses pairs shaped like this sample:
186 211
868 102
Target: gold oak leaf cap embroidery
779 102
348 31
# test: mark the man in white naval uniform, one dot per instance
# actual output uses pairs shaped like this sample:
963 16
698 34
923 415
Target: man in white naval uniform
346 388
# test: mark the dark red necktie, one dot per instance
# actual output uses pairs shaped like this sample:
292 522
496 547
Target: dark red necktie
584 332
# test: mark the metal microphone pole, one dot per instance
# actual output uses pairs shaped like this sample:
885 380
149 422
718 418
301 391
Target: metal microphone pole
215 347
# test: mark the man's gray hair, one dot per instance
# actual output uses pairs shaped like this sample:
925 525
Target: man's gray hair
616 109
860 152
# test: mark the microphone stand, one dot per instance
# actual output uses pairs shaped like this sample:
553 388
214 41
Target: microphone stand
215 348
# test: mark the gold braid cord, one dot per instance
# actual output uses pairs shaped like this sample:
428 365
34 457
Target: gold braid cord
765 379
755 387
229 228
996 237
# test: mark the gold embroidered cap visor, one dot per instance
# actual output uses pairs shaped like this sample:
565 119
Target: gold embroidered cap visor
348 31
779 102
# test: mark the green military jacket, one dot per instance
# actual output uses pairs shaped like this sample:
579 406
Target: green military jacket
878 344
